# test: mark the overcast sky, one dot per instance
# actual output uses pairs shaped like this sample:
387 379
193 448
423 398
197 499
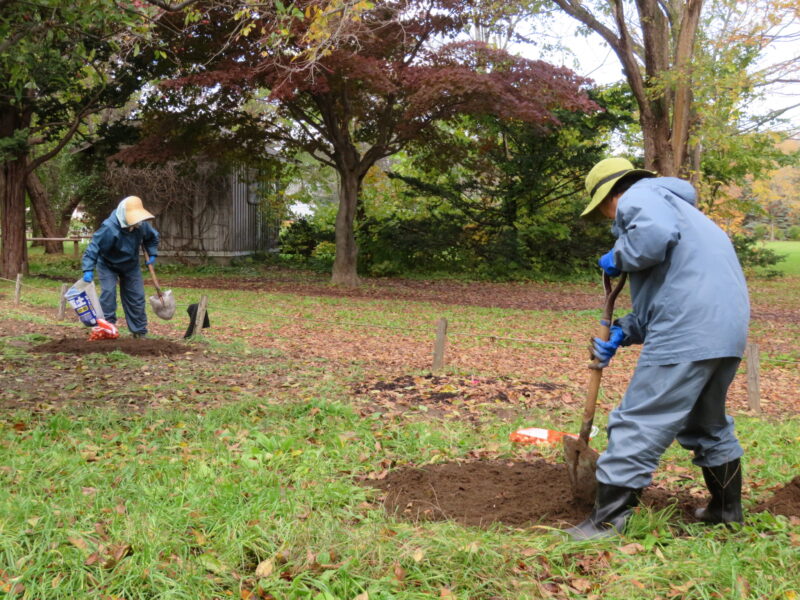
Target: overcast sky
596 60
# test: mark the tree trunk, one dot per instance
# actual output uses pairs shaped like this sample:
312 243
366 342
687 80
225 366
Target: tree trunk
65 218
682 109
44 214
345 263
664 106
14 253
36 231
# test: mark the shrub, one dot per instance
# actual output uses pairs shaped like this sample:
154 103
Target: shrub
753 256
301 238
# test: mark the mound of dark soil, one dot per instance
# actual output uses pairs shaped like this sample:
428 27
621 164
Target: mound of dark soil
513 493
132 346
785 501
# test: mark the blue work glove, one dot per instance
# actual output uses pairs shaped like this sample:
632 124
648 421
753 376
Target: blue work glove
150 260
606 262
603 351
88 276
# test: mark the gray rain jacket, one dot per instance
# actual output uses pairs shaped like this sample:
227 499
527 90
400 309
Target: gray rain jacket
688 291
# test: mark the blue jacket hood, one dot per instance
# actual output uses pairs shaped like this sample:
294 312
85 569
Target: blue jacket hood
677 187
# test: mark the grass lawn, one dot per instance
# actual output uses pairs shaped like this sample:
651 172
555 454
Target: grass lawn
238 470
791 265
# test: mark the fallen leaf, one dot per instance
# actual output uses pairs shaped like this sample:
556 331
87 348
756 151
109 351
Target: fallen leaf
744 586
580 584
399 572
115 553
418 555
446 593
265 568
79 543
212 563
472 547
631 549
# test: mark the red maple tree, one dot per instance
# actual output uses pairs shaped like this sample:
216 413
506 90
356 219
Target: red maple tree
393 77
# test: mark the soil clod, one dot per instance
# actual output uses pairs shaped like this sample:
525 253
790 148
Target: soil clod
785 501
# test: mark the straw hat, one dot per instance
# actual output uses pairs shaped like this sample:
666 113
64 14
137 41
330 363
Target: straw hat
134 211
604 175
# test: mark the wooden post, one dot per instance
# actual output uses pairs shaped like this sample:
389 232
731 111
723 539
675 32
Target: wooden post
62 304
18 289
753 384
75 248
200 316
438 346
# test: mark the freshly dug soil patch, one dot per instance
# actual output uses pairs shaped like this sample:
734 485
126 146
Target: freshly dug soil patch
513 493
132 346
470 397
785 501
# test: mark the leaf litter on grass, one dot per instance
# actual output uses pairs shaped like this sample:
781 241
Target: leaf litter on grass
361 361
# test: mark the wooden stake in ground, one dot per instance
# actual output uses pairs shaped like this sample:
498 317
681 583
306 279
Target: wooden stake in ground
62 304
753 383
18 289
439 344
200 316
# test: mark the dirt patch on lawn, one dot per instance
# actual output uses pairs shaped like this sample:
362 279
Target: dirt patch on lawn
523 493
785 501
131 346
513 493
450 395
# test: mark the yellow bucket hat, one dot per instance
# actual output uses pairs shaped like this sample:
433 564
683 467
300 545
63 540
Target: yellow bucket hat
604 175
134 211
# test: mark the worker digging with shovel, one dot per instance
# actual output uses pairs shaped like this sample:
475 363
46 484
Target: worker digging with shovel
114 251
691 313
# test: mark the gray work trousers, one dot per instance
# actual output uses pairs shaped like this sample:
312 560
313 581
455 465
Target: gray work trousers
131 291
684 401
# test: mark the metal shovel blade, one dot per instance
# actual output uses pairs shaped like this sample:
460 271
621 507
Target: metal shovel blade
163 305
581 463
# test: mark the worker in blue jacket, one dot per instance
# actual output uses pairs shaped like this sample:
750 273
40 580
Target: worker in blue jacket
114 251
691 313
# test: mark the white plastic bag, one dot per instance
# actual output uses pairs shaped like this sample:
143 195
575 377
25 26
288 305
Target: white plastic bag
82 296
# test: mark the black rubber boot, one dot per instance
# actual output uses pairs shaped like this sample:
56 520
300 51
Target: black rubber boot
725 484
612 507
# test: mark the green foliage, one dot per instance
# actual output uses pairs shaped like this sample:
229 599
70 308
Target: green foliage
13 145
752 255
493 200
301 237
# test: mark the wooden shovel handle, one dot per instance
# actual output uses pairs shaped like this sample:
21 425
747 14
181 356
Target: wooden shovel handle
152 273
604 332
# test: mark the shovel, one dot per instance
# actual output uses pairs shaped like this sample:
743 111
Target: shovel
163 303
580 458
